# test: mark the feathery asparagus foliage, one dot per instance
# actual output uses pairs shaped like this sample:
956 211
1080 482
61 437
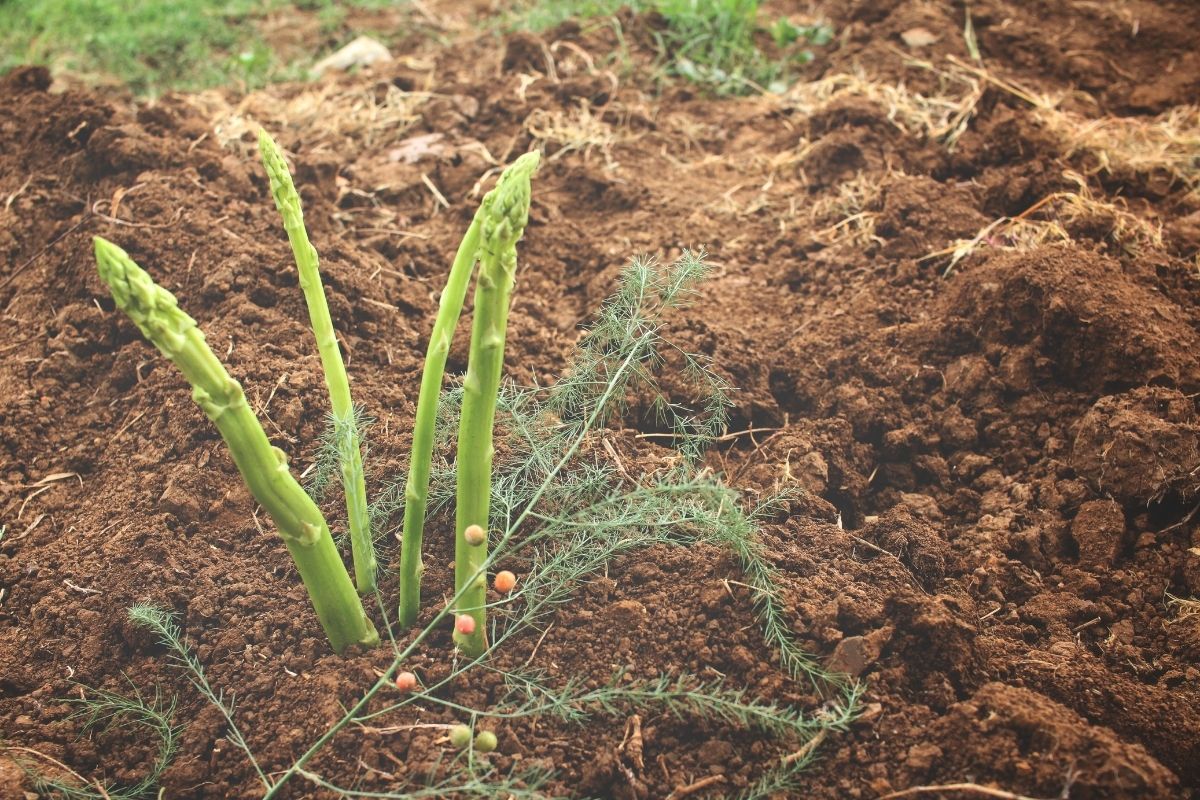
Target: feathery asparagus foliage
264 468
734 529
684 696
629 328
578 512
504 213
336 438
622 353
104 710
349 450
164 625
570 508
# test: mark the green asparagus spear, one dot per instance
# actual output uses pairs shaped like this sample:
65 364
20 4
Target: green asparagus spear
264 468
505 212
416 488
287 200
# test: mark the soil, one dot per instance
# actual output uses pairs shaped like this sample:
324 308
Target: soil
1000 465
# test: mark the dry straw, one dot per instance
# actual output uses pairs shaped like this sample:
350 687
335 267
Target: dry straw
349 119
1052 219
942 115
577 129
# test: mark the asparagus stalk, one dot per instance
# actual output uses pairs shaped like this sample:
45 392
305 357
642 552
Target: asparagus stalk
157 315
505 212
287 200
416 488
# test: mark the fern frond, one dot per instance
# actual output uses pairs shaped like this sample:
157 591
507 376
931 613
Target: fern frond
163 623
100 709
334 449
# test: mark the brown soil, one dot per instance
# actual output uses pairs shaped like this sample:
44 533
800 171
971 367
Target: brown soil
1003 463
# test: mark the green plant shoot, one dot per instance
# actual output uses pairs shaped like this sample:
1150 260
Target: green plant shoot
416 488
264 468
287 200
503 216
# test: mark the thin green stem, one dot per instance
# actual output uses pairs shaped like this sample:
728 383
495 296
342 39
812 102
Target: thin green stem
287 200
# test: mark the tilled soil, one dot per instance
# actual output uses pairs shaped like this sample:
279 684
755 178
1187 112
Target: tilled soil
999 452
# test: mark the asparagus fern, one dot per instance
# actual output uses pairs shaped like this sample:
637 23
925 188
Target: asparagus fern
349 448
102 710
263 467
576 513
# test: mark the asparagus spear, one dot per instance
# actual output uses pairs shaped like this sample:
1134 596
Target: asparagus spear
416 490
157 315
505 212
287 200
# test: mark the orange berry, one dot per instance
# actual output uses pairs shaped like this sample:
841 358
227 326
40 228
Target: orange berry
406 681
464 624
504 581
475 535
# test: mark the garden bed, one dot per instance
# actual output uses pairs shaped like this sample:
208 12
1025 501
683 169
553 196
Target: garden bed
959 301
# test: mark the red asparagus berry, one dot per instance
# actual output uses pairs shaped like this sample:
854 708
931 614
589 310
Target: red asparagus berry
464 624
406 681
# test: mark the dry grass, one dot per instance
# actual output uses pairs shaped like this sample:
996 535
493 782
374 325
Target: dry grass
843 215
1128 148
942 115
576 130
338 116
347 119
1183 608
1052 220
1133 148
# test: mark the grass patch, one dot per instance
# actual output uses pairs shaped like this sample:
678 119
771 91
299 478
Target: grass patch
150 45
723 45
153 45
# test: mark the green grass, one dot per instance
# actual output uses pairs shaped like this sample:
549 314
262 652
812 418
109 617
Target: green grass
152 45
714 43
